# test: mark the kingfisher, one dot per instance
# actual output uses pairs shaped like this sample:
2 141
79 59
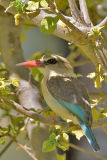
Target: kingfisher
64 93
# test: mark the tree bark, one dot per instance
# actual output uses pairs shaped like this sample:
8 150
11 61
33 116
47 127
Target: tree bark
28 93
77 32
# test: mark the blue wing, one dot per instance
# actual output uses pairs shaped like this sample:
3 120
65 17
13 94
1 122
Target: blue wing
72 95
74 109
79 112
90 136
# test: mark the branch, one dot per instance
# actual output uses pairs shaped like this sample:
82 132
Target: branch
62 17
84 12
6 147
87 152
27 92
26 150
102 23
96 123
74 10
31 114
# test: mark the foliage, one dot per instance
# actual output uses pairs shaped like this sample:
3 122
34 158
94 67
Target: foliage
19 4
58 136
48 24
56 139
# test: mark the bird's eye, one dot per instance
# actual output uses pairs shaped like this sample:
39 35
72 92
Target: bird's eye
51 61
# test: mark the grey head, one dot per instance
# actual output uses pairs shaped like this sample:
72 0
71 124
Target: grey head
56 64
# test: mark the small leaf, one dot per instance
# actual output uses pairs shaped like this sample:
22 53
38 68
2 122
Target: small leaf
48 24
63 141
79 75
43 3
32 6
15 82
19 4
49 145
62 4
91 75
103 111
95 114
78 134
2 141
5 90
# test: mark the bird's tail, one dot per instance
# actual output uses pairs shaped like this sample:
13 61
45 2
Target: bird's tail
90 136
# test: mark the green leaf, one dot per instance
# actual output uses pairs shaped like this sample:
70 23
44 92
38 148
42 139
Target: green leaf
17 121
78 134
20 6
63 141
5 90
2 141
48 24
43 3
50 145
15 82
15 131
95 114
62 4
32 6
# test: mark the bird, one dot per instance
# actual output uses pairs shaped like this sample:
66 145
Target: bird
64 93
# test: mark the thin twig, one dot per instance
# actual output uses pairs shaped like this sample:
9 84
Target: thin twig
96 123
74 10
29 113
6 147
26 150
84 12
87 152
6 10
102 23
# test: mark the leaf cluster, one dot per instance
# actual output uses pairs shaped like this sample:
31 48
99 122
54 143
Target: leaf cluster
19 4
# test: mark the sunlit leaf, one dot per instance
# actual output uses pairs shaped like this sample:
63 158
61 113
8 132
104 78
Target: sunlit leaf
62 4
48 24
103 111
78 134
95 113
2 141
43 3
19 4
63 141
49 145
32 5
15 82
91 75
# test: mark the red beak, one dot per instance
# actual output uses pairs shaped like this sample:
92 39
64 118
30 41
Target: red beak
31 64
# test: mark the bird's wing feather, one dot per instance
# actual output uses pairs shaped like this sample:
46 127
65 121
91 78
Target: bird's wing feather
90 136
72 95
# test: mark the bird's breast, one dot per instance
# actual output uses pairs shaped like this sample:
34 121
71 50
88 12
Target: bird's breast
54 105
